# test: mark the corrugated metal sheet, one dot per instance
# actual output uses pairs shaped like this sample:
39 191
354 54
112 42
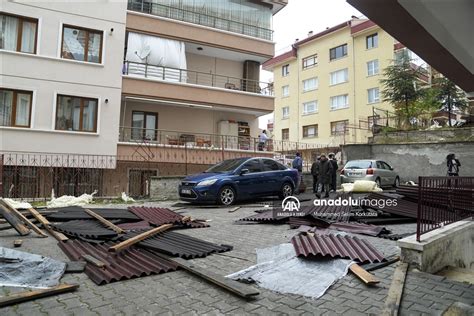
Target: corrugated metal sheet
77 212
135 225
330 213
336 246
264 216
296 222
179 245
396 236
359 228
89 229
130 263
160 216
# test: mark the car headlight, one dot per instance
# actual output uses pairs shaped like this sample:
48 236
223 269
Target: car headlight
206 183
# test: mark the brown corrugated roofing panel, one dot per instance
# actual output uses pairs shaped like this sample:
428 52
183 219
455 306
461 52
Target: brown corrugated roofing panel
264 216
160 216
296 222
359 228
335 246
135 225
130 263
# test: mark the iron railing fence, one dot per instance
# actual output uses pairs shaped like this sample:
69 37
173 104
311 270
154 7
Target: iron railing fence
146 6
443 200
195 77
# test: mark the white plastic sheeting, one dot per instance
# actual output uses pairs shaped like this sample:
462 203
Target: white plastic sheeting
278 269
23 269
126 198
68 200
362 186
17 204
157 52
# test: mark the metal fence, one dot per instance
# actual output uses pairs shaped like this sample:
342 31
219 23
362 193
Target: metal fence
443 200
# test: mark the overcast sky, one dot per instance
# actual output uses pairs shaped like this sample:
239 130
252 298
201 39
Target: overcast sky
301 16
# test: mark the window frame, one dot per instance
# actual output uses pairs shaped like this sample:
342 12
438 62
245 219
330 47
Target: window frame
338 133
344 49
305 60
22 18
86 48
81 118
371 37
373 61
288 89
285 131
285 70
368 95
14 106
315 106
338 108
346 70
316 86
283 112
307 127
143 129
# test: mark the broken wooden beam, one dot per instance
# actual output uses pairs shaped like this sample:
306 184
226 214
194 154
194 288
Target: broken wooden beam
395 293
94 261
104 221
17 243
46 224
366 277
24 219
32 295
13 220
129 242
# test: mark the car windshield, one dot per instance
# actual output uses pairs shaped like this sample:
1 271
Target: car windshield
358 164
226 165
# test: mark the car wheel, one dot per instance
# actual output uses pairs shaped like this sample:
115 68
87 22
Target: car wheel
379 184
286 190
396 184
226 196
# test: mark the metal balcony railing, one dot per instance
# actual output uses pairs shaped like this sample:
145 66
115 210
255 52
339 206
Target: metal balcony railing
145 6
195 77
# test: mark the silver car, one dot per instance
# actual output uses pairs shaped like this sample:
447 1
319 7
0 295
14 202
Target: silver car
374 170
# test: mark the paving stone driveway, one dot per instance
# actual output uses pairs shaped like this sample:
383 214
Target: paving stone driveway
180 293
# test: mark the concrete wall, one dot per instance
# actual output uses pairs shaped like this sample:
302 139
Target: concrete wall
413 160
164 188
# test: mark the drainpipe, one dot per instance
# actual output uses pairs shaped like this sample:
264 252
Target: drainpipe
354 88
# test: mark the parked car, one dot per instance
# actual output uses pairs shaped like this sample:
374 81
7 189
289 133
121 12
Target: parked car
375 170
239 179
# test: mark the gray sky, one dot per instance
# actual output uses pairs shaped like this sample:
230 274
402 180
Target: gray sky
298 18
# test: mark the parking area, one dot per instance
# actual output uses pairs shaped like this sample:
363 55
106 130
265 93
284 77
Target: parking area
181 293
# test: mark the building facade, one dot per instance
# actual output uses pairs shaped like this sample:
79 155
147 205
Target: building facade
327 85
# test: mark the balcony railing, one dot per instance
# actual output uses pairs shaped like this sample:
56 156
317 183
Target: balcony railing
195 77
146 6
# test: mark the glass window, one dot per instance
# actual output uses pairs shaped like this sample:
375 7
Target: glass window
310 131
373 95
339 127
310 107
285 91
338 52
285 70
340 102
76 114
285 111
339 76
373 67
285 134
144 125
18 33
253 166
310 84
310 61
270 165
15 108
82 44
372 41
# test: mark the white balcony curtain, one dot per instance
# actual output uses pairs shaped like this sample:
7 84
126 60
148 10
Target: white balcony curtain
23 109
28 37
8 32
6 99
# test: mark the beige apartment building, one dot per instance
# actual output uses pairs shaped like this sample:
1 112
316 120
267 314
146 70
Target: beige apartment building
327 85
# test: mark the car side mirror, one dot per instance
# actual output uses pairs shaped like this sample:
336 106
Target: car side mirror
243 171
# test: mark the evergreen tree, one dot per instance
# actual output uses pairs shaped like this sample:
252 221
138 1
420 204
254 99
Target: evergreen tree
450 96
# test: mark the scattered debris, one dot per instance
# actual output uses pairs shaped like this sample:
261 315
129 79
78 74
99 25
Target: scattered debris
126 198
392 303
75 266
32 295
94 261
361 186
377 265
17 243
133 240
362 274
107 223
76 212
18 205
234 209
23 218
13 220
68 200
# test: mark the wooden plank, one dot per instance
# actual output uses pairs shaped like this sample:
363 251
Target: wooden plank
17 243
13 220
94 261
395 293
24 219
46 224
129 242
75 266
230 285
366 277
104 221
32 295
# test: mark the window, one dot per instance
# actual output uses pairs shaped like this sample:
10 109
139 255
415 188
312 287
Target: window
15 108
18 33
340 102
310 61
252 165
285 70
373 67
339 127
372 41
285 134
270 165
338 52
310 84
373 95
82 44
285 111
76 114
339 76
310 131
285 91
310 107
144 125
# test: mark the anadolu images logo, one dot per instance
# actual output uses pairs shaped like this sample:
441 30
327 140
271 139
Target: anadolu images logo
290 204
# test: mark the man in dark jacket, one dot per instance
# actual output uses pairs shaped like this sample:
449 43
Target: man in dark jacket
323 170
453 165
298 165
333 161
315 175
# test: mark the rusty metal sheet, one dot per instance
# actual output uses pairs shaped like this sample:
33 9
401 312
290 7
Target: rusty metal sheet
130 263
77 212
159 216
336 246
179 245
89 229
359 228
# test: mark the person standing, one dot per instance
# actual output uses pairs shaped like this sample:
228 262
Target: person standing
453 165
333 161
324 169
262 140
298 165
314 167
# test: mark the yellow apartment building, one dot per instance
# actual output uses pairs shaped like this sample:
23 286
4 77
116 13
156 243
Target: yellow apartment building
327 85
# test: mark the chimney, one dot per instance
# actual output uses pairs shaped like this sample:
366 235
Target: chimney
310 33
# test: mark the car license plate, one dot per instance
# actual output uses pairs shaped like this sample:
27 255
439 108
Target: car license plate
186 191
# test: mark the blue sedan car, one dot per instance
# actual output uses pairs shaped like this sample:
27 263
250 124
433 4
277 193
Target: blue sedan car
238 179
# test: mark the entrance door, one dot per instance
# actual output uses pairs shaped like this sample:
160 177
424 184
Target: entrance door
139 182
144 125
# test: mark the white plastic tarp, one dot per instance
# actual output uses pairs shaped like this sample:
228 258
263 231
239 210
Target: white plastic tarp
278 269
23 269
68 200
18 204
